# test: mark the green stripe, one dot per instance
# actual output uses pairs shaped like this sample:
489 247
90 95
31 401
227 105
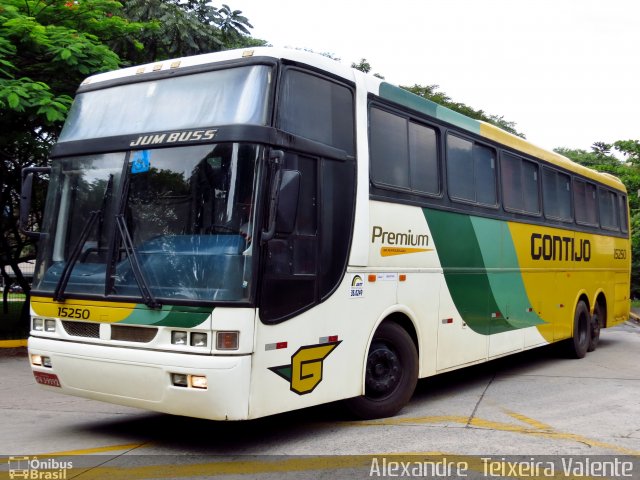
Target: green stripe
481 271
168 316
423 105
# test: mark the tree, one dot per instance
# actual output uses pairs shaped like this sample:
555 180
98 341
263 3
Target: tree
47 47
364 66
182 28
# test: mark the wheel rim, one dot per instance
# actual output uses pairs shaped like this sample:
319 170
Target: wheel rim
384 371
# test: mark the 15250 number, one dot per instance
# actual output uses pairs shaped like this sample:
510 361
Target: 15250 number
70 312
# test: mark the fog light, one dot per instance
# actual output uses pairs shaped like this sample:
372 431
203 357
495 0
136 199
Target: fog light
46 362
198 339
36 360
49 325
227 340
179 380
198 381
178 338
38 324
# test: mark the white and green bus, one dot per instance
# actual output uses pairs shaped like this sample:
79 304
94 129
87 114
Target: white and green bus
233 235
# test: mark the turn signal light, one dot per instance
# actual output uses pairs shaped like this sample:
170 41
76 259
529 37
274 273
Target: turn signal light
227 340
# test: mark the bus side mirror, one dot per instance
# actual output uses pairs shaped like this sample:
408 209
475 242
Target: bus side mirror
25 199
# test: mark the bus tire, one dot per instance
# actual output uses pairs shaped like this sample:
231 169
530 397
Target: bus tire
578 344
597 319
391 374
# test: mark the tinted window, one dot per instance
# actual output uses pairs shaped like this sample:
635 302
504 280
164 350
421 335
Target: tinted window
403 154
556 189
530 190
389 149
471 171
318 109
520 184
608 210
423 159
584 195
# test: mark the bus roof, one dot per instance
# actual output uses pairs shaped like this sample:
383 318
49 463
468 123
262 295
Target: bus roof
375 86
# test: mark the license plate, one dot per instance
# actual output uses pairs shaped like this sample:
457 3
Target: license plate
49 379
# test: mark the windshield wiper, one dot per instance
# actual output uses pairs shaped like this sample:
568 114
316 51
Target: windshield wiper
58 293
149 300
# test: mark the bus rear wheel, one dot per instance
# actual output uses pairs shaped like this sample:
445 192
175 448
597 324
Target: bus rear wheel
577 345
597 320
391 374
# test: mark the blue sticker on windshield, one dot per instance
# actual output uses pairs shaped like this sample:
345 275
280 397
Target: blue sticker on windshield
140 162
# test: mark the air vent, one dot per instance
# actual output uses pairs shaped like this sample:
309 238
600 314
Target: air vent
82 329
133 334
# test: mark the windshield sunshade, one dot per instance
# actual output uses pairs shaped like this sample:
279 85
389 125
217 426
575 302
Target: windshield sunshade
220 97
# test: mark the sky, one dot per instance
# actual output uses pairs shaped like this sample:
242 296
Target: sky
567 72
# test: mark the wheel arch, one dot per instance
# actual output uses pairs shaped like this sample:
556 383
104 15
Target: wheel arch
405 319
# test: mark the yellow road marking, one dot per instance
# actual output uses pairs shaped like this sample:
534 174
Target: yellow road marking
342 462
534 427
86 451
13 343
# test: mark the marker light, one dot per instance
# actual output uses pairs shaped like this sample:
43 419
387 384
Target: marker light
38 324
49 325
178 338
198 339
36 360
227 340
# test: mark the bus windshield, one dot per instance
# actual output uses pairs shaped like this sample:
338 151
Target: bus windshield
182 217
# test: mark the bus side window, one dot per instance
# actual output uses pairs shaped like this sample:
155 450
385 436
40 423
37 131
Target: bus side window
556 189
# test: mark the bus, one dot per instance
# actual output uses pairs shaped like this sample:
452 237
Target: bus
243 233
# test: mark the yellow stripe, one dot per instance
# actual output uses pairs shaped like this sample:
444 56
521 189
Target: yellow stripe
105 312
13 343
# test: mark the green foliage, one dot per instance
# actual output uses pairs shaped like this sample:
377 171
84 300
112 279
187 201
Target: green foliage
364 66
181 28
47 47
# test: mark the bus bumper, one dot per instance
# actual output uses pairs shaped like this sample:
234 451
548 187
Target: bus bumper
143 378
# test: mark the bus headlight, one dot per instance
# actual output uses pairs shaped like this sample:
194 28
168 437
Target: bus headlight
38 324
198 339
178 338
50 325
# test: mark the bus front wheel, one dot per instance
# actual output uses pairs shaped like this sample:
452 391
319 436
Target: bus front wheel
391 374
577 345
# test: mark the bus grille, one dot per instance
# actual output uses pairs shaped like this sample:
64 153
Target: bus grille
133 334
82 329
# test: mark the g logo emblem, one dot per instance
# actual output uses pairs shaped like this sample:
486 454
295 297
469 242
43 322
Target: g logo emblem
305 372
